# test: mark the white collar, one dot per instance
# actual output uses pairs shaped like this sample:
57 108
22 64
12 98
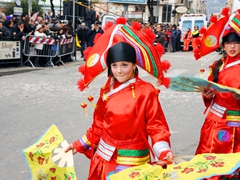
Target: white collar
123 85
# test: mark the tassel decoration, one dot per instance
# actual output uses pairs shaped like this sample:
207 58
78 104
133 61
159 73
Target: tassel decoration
84 105
202 71
90 99
133 92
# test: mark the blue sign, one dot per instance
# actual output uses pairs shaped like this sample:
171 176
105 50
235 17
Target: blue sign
129 1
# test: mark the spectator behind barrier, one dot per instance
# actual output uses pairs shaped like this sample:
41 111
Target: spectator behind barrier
92 33
18 32
8 30
2 17
1 30
28 28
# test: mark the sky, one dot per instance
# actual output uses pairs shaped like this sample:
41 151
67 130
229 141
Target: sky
214 6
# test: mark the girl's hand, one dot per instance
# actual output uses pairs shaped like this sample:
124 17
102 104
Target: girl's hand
70 147
208 93
168 159
236 96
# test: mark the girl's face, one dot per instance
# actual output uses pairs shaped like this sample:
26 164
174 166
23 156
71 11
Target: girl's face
123 70
232 48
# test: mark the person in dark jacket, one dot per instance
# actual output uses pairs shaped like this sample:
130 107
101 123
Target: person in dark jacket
28 28
174 38
8 30
160 36
92 33
83 37
1 30
178 43
18 31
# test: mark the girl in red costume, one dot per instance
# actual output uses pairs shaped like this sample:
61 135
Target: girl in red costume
124 120
221 130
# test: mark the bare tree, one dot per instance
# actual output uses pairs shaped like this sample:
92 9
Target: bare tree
52 8
150 8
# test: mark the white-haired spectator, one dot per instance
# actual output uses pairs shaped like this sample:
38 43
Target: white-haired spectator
2 17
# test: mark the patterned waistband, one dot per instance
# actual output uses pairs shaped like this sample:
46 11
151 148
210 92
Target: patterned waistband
233 115
130 157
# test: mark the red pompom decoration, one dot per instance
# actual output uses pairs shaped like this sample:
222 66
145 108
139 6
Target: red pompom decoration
166 65
166 82
238 11
150 35
107 25
213 19
136 25
225 11
80 84
121 20
202 30
86 52
197 54
160 48
81 69
98 35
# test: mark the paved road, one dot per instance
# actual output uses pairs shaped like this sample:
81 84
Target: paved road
32 101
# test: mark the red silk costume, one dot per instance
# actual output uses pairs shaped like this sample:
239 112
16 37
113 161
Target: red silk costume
120 129
217 136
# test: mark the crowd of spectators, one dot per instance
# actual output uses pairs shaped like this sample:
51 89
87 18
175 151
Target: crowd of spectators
17 28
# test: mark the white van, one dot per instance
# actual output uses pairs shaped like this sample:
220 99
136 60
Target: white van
190 20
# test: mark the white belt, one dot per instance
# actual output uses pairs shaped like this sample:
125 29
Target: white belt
218 110
105 150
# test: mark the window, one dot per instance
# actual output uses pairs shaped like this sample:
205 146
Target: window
166 13
186 24
199 23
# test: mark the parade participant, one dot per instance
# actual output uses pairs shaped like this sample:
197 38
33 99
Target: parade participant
187 39
221 129
195 35
128 110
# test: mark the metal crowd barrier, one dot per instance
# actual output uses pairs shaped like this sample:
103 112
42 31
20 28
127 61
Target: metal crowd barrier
65 47
47 47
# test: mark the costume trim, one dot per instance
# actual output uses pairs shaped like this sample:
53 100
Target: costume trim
159 147
233 115
218 110
130 152
133 161
232 64
84 141
122 86
105 150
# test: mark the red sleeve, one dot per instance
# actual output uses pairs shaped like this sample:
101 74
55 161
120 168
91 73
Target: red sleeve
92 136
157 126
